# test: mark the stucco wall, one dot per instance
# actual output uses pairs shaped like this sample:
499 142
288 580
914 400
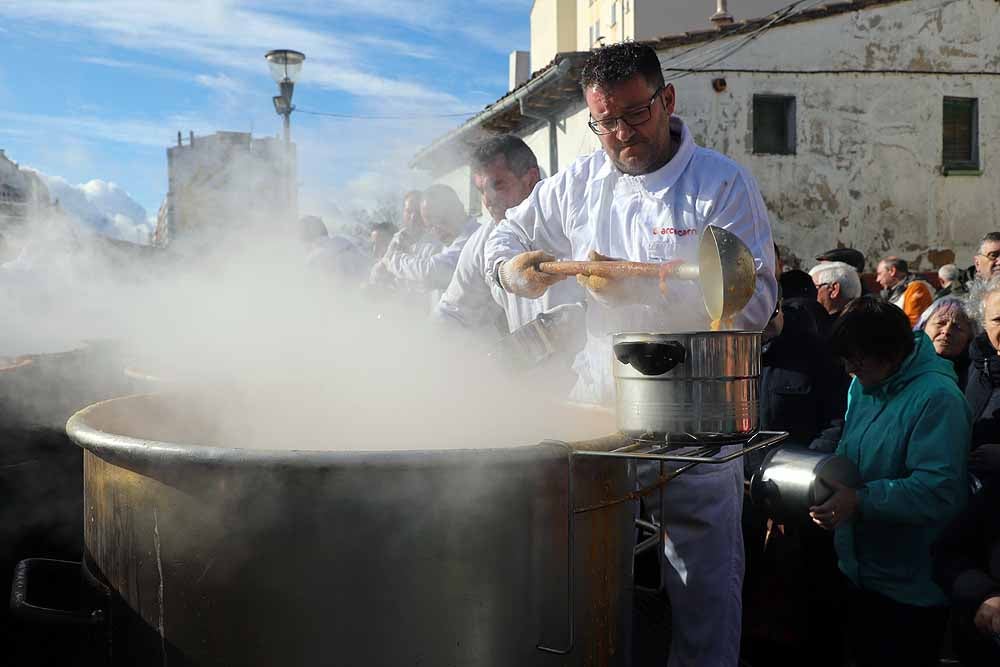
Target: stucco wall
867 170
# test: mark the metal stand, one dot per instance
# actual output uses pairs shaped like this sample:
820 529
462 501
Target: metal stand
645 451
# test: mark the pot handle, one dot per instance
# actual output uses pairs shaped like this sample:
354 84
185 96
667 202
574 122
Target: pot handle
33 571
651 358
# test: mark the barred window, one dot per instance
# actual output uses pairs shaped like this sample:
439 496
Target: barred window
774 124
960 141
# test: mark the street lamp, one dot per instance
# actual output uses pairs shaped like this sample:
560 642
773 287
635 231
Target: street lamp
285 66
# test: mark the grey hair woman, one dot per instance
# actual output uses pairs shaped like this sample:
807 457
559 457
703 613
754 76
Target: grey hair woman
950 325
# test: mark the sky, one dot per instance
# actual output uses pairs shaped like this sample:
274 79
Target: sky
98 89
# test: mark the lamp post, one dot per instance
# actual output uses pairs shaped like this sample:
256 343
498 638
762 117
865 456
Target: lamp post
285 66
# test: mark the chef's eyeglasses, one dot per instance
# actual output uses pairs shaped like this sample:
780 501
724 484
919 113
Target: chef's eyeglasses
632 118
992 256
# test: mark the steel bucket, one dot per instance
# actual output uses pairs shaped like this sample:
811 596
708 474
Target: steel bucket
699 387
792 479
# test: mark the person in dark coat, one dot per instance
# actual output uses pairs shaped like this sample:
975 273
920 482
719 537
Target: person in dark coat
792 577
837 284
803 388
982 389
967 567
952 283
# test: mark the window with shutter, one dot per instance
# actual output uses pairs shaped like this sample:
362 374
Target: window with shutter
774 124
960 141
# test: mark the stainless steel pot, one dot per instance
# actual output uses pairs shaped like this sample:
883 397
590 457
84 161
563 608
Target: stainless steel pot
793 479
221 555
700 387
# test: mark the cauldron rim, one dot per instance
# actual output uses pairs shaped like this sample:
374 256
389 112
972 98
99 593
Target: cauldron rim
139 453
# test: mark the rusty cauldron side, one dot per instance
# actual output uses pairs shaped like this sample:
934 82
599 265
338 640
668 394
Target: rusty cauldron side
455 557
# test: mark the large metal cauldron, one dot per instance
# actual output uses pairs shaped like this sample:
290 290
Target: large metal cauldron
697 387
455 557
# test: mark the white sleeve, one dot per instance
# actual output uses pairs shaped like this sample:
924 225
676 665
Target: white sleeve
535 224
740 209
433 271
468 300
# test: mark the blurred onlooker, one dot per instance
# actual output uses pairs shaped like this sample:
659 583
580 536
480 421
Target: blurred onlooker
951 282
848 256
837 284
903 289
312 228
907 430
429 267
983 389
779 264
381 236
951 328
411 213
967 567
987 260
333 255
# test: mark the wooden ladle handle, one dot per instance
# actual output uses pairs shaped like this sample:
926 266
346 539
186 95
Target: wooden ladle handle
602 269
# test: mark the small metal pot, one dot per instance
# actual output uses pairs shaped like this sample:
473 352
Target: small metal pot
793 479
700 386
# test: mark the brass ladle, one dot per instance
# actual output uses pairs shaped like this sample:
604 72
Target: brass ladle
725 271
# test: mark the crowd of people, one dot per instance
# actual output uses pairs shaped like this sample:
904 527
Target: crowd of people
905 384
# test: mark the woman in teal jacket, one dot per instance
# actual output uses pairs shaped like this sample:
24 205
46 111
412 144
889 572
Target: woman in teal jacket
907 428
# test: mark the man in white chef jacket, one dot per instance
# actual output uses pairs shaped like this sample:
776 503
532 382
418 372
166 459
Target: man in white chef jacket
505 171
646 196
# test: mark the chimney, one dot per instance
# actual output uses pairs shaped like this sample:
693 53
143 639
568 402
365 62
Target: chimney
520 69
191 137
178 137
722 17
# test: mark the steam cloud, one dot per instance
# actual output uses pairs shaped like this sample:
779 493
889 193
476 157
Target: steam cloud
276 355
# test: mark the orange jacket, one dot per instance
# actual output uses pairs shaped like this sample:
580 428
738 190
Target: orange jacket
915 299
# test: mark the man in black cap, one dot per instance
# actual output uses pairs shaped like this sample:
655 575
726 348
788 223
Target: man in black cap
849 256
846 255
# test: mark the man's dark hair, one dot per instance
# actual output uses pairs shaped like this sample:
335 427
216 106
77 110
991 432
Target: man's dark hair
897 263
512 148
797 284
990 237
611 65
872 328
